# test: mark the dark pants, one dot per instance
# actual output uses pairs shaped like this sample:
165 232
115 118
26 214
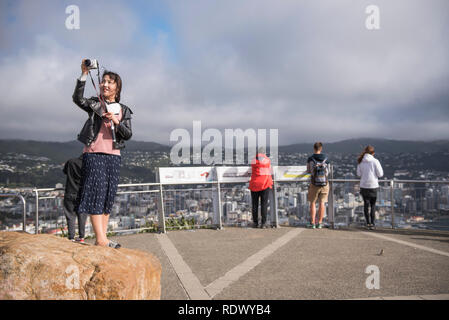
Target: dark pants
369 202
72 169
71 215
263 195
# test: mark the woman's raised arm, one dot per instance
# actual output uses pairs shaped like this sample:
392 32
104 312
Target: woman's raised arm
78 94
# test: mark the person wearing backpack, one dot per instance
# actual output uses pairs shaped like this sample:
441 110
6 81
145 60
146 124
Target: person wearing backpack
369 170
318 167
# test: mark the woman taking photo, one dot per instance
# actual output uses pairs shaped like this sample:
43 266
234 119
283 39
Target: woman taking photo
369 170
103 135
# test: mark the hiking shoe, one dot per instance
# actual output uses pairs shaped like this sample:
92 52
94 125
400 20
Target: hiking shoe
310 226
79 240
113 244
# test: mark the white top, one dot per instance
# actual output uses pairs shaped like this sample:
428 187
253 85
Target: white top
369 170
114 108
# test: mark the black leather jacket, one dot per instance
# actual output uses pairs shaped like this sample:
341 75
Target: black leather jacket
93 124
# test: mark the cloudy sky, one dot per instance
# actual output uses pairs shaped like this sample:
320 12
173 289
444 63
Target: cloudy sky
310 69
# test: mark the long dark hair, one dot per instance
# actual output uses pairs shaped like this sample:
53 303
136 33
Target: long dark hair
368 149
114 76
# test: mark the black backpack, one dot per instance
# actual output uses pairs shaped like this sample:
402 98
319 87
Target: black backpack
319 172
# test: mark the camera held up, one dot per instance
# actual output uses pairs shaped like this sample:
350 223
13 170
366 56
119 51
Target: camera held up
91 63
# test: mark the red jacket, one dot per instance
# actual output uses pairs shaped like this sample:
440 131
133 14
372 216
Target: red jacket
261 173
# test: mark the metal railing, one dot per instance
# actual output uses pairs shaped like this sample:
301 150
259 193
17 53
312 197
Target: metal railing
291 204
22 199
393 201
384 184
169 202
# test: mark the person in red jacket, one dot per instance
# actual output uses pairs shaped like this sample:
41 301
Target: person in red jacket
260 185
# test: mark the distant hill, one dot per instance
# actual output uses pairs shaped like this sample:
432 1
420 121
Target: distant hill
25 171
61 151
145 146
56 151
380 145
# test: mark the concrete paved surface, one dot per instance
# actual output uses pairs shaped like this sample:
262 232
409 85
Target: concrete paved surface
171 287
312 264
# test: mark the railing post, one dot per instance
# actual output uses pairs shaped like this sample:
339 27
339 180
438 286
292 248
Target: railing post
24 211
330 204
392 202
219 212
274 207
36 223
161 218
18 195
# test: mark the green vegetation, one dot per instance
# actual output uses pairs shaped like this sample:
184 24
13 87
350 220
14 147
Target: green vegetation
149 227
182 223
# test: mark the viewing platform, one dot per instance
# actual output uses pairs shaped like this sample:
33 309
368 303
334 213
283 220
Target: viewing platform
295 263
215 256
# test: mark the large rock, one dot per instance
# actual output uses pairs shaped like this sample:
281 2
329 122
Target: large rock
49 267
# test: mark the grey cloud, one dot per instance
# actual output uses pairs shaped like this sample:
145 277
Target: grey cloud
311 58
290 65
